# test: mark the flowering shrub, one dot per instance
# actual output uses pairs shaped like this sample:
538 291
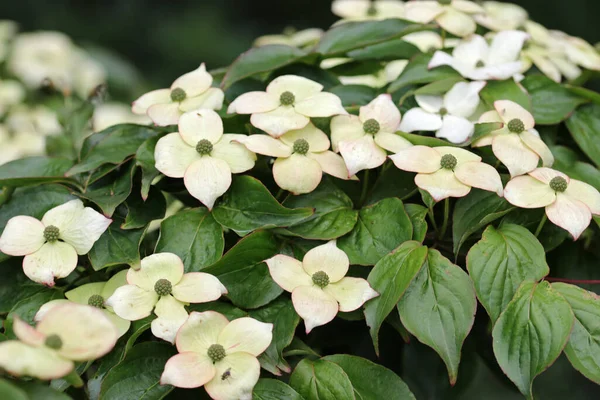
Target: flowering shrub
353 213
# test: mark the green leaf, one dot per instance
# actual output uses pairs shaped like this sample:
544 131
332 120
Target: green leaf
248 205
439 87
141 212
483 129
390 50
417 215
77 122
392 182
371 240
193 235
29 306
112 190
259 60
20 390
356 35
583 347
439 308
15 285
371 381
583 92
138 375
390 277
117 246
502 260
418 72
552 103
282 315
551 236
272 389
421 140
505 90
244 273
566 160
145 160
584 125
10 391
333 217
473 212
111 146
321 380
531 333
354 95
227 309
35 170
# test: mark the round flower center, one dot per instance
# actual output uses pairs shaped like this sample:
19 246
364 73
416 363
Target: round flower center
287 98
558 184
301 146
204 147
479 64
371 126
53 341
51 233
448 161
216 352
96 300
163 287
443 111
178 95
516 126
445 2
321 279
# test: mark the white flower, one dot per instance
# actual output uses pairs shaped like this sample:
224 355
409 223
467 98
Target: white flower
288 104
360 10
8 29
475 59
219 355
447 115
425 40
39 120
67 333
569 203
93 294
302 157
448 171
109 114
13 147
160 284
498 16
363 140
11 93
88 74
292 38
517 145
189 92
202 155
319 285
51 246
454 16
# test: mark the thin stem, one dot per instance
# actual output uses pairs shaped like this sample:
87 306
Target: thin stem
365 187
541 225
280 195
432 219
446 217
6 194
575 281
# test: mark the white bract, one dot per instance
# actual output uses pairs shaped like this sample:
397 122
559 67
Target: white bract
219 355
319 285
288 104
517 145
454 16
569 203
15 146
66 334
360 10
202 155
189 92
8 29
303 38
11 94
302 157
51 246
498 16
363 140
473 58
109 114
447 115
448 171
161 285
38 120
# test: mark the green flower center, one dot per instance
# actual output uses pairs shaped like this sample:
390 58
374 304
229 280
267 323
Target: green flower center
204 147
516 125
163 287
301 146
445 2
443 111
178 95
54 342
96 300
371 126
216 352
479 64
287 98
51 233
558 184
321 279
448 161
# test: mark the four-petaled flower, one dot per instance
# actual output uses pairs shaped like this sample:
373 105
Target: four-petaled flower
498 16
202 155
447 115
302 157
360 10
363 140
448 171
161 282
288 104
219 355
569 203
51 246
189 92
319 285
454 16
517 145
67 333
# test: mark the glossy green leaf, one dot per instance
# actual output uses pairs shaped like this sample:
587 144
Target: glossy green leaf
20 390
417 215
27 307
502 260
321 380
584 125
586 93
354 95
117 246
567 161
272 389
15 285
552 103
141 212
484 129
8 390
111 191
418 72
439 87
144 158
392 182
505 90
35 170
551 236
390 50
421 140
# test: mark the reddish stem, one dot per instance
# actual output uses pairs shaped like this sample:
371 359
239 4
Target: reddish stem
575 281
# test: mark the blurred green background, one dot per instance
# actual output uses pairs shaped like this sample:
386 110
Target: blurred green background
164 39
